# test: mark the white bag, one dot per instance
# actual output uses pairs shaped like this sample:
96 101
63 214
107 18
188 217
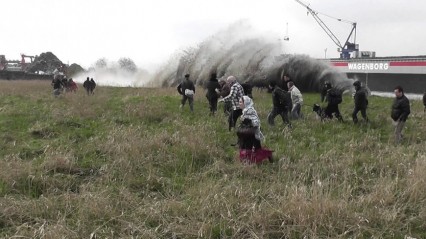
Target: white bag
189 92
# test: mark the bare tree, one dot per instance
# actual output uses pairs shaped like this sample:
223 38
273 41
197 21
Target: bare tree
102 63
127 64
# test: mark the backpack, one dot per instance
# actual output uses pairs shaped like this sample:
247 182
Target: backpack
284 98
335 97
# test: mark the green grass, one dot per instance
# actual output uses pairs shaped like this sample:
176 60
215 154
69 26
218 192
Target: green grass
127 163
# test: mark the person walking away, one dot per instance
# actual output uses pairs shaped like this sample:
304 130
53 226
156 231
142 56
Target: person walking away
224 91
212 95
86 85
424 101
187 90
249 134
297 100
400 112
57 86
72 85
361 102
324 90
333 98
281 104
92 86
234 96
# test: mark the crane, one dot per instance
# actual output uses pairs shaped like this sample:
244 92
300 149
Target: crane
345 49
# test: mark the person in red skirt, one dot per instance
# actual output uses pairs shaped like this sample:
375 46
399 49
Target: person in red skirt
250 136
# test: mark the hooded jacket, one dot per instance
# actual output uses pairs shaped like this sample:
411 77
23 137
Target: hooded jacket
250 113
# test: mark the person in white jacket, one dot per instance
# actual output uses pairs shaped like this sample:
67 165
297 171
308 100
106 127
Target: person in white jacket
297 99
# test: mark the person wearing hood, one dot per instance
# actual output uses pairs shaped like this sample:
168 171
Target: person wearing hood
234 96
212 95
249 134
400 112
361 102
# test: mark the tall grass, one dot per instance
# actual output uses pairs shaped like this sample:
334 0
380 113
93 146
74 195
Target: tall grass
127 163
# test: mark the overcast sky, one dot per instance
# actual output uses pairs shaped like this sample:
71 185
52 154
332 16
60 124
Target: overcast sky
149 31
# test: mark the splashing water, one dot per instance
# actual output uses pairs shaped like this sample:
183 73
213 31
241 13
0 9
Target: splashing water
251 57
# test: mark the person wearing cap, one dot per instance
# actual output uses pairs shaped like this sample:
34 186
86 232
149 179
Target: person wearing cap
187 90
361 102
235 94
400 112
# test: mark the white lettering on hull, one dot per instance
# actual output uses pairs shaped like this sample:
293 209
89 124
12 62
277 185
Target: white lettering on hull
368 66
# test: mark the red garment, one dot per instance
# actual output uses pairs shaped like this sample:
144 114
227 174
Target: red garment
255 156
73 86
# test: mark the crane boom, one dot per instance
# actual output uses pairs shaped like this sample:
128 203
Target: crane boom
346 48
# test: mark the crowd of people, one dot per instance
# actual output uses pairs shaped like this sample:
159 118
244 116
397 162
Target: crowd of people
61 85
287 101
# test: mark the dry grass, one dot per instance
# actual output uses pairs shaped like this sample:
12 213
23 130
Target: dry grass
127 163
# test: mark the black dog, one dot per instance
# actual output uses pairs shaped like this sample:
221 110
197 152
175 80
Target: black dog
319 111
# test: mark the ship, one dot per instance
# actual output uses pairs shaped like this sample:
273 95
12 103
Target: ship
385 73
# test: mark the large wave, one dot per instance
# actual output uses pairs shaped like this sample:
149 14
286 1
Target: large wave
250 56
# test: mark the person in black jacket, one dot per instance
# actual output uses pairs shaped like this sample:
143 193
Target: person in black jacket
212 95
324 90
248 88
424 101
334 98
400 112
86 85
361 102
187 90
281 105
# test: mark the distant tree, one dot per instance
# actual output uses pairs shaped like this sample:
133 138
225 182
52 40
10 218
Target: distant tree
127 64
102 63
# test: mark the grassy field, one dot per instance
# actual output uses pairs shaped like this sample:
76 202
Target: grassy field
127 163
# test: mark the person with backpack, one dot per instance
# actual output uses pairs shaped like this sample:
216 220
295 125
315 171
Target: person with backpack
333 98
361 102
281 105
187 90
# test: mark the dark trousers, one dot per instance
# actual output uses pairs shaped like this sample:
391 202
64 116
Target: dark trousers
233 117
363 113
212 104
333 109
283 112
227 107
190 101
